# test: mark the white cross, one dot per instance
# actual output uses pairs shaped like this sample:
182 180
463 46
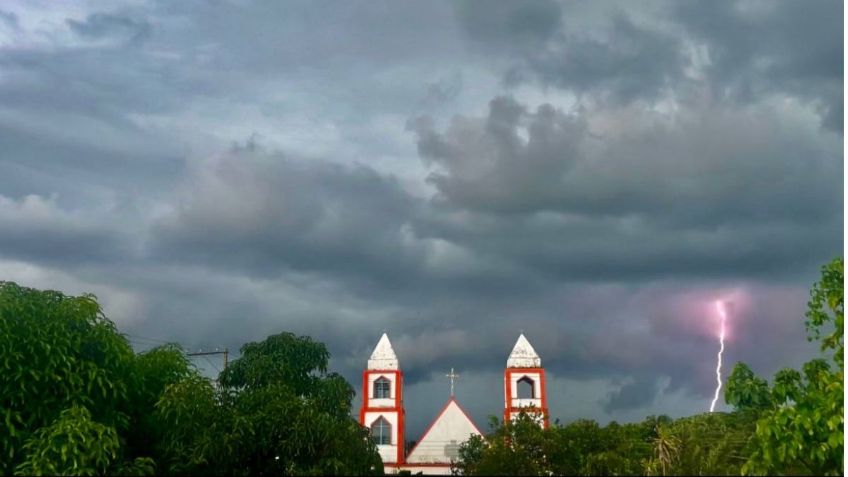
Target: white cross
452 377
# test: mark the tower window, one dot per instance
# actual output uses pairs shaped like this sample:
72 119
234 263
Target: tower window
382 388
526 388
381 431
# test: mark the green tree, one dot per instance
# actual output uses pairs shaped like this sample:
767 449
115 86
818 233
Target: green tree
516 447
521 447
707 444
74 398
746 391
800 418
152 373
278 411
58 353
666 446
76 445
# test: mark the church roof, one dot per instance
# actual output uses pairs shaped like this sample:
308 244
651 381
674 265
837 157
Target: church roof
384 356
440 442
523 355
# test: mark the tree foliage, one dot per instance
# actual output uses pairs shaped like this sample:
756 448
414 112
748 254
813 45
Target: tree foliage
76 400
705 444
278 412
65 383
800 417
522 447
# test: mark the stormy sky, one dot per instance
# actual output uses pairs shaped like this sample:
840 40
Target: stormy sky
595 174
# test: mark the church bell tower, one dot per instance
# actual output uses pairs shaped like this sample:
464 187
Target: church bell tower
524 383
382 402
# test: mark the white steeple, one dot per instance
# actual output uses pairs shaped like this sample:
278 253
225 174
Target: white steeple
384 356
523 355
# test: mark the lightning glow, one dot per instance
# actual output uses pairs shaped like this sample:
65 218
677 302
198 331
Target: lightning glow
723 316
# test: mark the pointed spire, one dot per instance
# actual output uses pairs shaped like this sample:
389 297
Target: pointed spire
523 355
384 356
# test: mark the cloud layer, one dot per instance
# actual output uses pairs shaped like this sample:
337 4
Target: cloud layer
594 174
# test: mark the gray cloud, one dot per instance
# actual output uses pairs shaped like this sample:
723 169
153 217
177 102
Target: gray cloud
628 61
637 162
265 213
510 25
635 190
757 48
9 20
104 25
33 228
635 394
613 52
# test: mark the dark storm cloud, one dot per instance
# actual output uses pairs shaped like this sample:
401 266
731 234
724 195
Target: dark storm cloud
510 25
77 167
636 193
758 48
668 165
742 50
33 228
631 63
652 157
264 213
103 25
635 394
624 63
10 20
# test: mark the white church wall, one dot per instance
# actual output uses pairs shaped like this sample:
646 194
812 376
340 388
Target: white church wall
387 452
537 390
537 417
422 469
441 442
382 402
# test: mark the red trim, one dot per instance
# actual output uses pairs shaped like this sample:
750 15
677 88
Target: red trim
434 421
379 409
434 464
397 409
401 445
509 408
507 395
364 398
544 401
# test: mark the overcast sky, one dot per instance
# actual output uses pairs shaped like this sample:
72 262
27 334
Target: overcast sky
594 173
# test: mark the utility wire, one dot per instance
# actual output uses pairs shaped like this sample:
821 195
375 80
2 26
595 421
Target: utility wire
212 364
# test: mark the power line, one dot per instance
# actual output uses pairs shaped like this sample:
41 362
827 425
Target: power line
225 352
145 338
211 363
147 341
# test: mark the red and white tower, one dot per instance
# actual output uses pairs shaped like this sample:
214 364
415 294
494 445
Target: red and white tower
382 402
524 383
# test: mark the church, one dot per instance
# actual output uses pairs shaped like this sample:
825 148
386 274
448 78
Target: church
383 412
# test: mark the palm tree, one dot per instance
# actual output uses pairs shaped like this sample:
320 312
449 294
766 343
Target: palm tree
666 447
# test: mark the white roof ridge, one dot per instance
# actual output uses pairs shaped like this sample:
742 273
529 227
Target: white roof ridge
413 457
383 357
523 355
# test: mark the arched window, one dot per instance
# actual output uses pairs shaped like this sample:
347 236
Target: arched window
381 431
526 388
382 388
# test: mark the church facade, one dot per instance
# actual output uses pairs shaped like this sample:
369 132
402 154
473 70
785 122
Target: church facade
383 411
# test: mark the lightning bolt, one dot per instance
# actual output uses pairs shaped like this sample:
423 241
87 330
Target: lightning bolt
723 316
